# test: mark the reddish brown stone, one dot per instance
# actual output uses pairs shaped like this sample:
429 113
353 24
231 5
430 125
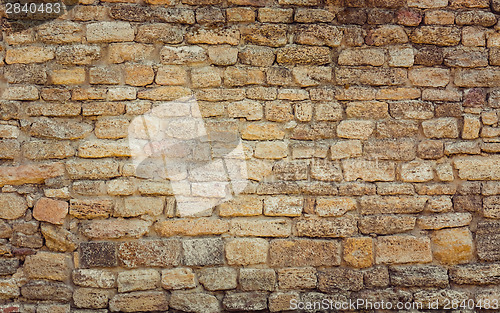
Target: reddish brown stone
52 211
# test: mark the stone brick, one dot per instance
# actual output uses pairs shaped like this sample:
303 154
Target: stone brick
441 128
436 35
387 149
119 228
345 149
392 204
368 170
429 77
313 15
229 36
92 169
358 252
149 253
487 240
257 56
355 129
371 76
135 206
203 251
218 278
417 171
191 227
94 278
402 249
20 93
338 206
46 290
334 279
272 35
386 35
271 150
283 206
352 16
334 227
110 32
319 35
452 246
377 276
428 4
386 224
242 206
280 301
45 265
178 278
58 239
91 298
72 76
240 14
418 276
261 228
139 301
138 280
13 206
52 211
250 301
485 19
98 254
475 274
194 302
29 54
183 55
487 77
303 55
150 33
373 57
89 209
247 251
477 168
474 36
275 15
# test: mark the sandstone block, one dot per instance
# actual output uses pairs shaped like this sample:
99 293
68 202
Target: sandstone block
194 302
304 252
178 278
89 209
272 35
453 246
386 224
429 77
230 36
336 227
334 206
271 150
371 56
203 251
218 278
386 35
478 168
389 149
303 55
475 274
446 127
149 253
45 290
98 254
257 279
355 129
297 278
191 227
91 298
436 35
46 265
246 251
402 249
346 149
420 275
417 171
138 280
368 170
139 301
28 54
320 35
250 301
358 252
94 278
335 279
392 204
52 211
115 228
283 206
110 32
13 206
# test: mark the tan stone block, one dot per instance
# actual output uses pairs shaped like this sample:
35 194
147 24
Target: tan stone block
436 35
446 127
355 129
428 4
135 280
92 169
58 238
283 206
242 205
9 131
346 149
110 32
328 111
370 56
453 246
223 55
129 52
90 298
387 35
429 77
358 252
28 54
205 77
375 110
136 206
445 220
139 75
89 209
115 228
271 150
183 55
111 128
230 36
417 171
262 131
303 55
368 170
165 93
171 75
275 15
386 224
250 110
344 226
218 278
191 227
392 204
261 228
29 174
139 301
334 206
178 278
240 14
52 211
20 93
194 302
402 249
47 265
246 251
297 278
471 128
94 278
304 252
280 301
74 76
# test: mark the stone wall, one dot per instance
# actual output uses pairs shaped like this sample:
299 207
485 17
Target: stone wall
370 131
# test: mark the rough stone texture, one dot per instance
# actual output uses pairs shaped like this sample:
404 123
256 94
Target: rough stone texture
369 140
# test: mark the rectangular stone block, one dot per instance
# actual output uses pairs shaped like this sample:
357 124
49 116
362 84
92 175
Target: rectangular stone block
418 276
478 167
261 228
368 170
402 249
89 209
304 252
149 253
333 227
392 204
246 251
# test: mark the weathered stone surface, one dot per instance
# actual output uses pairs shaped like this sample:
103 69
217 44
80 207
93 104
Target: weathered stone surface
436 35
13 206
98 254
45 265
417 276
149 253
245 251
368 170
91 298
303 55
334 227
297 278
199 252
335 279
45 290
402 249
475 274
52 211
303 252
194 302
452 246
392 204
261 228
250 301
139 301
358 252
390 149
218 278
89 209
478 168
138 280
94 278
386 224
178 278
